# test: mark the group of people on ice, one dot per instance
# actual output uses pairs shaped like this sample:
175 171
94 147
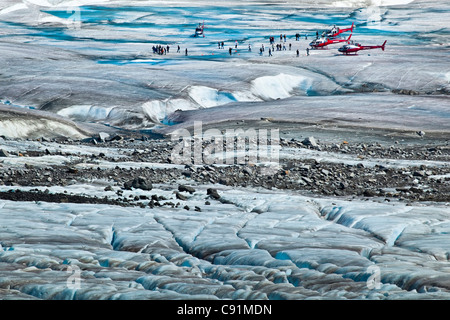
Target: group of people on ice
161 50
281 46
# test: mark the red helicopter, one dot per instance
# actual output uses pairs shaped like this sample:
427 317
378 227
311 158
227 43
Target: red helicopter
323 42
353 48
335 31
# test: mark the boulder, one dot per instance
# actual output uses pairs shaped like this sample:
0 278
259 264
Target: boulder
184 188
4 153
138 183
310 141
213 193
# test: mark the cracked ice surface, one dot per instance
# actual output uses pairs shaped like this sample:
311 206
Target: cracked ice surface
251 245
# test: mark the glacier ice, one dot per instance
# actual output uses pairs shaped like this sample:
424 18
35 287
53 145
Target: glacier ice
151 255
67 80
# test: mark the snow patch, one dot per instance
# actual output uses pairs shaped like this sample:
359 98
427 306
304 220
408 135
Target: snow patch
86 113
209 97
36 128
364 3
18 6
276 87
280 86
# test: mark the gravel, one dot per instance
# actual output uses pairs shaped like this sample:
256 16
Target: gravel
418 182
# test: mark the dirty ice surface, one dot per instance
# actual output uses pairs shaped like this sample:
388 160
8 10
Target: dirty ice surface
67 64
93 61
